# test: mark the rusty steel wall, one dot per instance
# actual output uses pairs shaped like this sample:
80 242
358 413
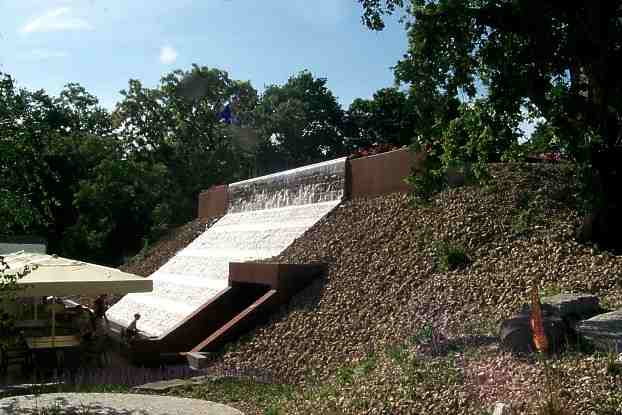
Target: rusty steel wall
213 202
366 176
380 174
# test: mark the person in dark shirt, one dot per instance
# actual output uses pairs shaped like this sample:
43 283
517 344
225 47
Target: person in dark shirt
85 323
100 307
132 330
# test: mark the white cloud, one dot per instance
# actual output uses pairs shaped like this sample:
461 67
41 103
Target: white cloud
56 20
43 54
168 55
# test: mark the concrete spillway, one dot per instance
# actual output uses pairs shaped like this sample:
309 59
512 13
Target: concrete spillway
265 215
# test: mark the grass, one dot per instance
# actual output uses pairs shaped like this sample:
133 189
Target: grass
398 353
423 335
347 374
267 397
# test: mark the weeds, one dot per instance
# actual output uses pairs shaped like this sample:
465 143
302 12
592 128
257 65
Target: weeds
366 365
450 256
424 334
269 397
345 375
398 353
553 383
614 368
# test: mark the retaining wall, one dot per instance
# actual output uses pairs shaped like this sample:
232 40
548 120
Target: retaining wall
213 202
380 174
365 177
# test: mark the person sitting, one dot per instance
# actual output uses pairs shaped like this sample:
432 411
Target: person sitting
132 330
100 306
85 324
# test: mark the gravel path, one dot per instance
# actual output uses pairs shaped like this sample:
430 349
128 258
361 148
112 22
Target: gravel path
111 404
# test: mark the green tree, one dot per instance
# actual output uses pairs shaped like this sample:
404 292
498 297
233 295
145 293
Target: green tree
561 59
299 123
122 203
51 149
177 125
387 118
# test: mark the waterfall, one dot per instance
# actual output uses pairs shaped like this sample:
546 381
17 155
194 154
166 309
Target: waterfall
265 215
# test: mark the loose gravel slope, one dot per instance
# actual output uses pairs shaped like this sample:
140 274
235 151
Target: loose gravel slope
385 286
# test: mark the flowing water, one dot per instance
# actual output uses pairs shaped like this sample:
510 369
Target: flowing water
265 215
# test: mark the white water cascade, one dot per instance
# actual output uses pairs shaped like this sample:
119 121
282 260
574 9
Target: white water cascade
264 217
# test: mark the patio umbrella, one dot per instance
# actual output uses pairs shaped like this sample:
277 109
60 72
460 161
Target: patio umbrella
51 275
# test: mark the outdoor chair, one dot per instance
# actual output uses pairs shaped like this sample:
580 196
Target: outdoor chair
15 351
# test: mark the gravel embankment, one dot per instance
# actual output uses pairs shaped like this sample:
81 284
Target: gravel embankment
384 287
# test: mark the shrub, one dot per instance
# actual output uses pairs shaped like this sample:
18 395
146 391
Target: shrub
451 256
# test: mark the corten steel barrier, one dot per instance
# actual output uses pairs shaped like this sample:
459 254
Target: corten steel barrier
282 281
213 202
380 174
365 177
255 290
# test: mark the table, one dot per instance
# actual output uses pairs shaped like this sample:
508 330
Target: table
56 343
31 324
52 342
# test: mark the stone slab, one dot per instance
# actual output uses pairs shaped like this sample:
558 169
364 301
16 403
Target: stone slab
604 331
502 409
579 305
198 360
112 404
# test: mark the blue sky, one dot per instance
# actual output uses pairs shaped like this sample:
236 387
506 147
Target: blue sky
103 43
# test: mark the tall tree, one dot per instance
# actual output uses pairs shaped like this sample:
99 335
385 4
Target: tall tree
178 125
388 118
299 122
561 58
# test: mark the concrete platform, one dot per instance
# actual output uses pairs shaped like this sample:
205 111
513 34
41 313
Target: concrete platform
112 404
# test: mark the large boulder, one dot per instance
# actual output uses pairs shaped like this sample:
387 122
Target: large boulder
604 331
574 307
516 334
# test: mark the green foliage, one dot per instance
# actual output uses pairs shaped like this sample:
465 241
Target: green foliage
424 334
525 215
560 62
431 374
366 365
273 410
176 125
345 375
388 118
8 281
426 184
228 390
96 184
477 135
451 256
299 123
398 353
614 368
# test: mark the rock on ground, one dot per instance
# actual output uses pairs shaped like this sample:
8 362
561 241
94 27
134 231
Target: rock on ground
577 305
604 331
